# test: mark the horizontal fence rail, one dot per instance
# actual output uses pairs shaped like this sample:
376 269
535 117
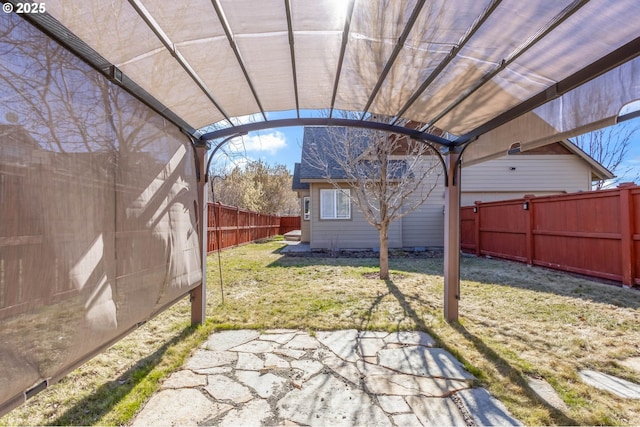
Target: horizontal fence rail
594 233
230 226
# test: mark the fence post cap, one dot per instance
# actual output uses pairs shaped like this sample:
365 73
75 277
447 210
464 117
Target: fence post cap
626 184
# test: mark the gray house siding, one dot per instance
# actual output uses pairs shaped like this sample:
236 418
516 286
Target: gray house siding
554 169
354 233
425 225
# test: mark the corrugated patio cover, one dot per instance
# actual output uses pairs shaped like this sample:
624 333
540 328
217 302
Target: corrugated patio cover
209 61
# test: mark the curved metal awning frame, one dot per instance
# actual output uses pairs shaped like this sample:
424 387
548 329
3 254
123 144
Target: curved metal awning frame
464 89
329 121
625 53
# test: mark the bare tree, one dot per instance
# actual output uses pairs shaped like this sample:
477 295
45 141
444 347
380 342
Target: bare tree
610 147
389 175
259 187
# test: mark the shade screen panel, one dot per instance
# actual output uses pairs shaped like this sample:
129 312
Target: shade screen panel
98 207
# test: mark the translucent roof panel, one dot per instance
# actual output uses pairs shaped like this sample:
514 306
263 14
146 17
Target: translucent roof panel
467 67
435 33
262 39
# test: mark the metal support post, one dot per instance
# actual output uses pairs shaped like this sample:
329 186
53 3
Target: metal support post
199 294
452 237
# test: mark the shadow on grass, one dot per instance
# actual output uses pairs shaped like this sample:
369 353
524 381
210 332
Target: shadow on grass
500 364
485 271
93 407
505 369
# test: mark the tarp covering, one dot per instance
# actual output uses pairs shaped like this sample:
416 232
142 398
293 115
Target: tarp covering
455 64
591 106
97 210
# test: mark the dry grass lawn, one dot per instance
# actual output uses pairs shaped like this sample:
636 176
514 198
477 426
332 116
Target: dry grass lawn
516 322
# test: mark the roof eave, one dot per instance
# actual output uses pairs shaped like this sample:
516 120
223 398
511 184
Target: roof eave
598 171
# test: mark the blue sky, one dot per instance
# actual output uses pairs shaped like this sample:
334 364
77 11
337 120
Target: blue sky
283 146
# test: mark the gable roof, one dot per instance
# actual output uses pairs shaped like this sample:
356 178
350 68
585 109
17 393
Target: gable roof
317 142
598 172
296 184
316 139
566 146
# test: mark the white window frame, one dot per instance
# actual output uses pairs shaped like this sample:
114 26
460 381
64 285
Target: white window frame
306 208
333 194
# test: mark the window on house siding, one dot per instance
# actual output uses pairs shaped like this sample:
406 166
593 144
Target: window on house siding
307 208
335 204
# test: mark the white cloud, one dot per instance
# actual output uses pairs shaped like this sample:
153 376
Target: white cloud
270 143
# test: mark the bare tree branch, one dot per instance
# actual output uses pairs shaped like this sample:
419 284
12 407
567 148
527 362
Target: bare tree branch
389 176
610 147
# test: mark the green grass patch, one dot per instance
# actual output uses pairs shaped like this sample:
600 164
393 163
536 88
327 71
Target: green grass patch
515 322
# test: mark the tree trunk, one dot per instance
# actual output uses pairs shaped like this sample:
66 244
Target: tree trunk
384 251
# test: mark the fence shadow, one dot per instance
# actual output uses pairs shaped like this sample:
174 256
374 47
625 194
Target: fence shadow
108 395
546 280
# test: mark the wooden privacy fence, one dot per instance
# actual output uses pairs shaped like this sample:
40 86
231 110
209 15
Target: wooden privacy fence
237 226
593 233
289 223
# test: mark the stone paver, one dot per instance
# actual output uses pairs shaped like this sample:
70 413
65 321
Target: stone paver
393 404
340 378
434 411
273 361
424 361
547 393
185 379
369 347
342 343
326 401
281 338
264 384
485 409
206 359
254 413
615 385
303 342
249 362
228 339
180 407
411 385
411 337
221 387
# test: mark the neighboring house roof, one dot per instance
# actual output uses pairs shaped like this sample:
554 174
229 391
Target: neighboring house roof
565 146
297 185
316 142
317 138
598 172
